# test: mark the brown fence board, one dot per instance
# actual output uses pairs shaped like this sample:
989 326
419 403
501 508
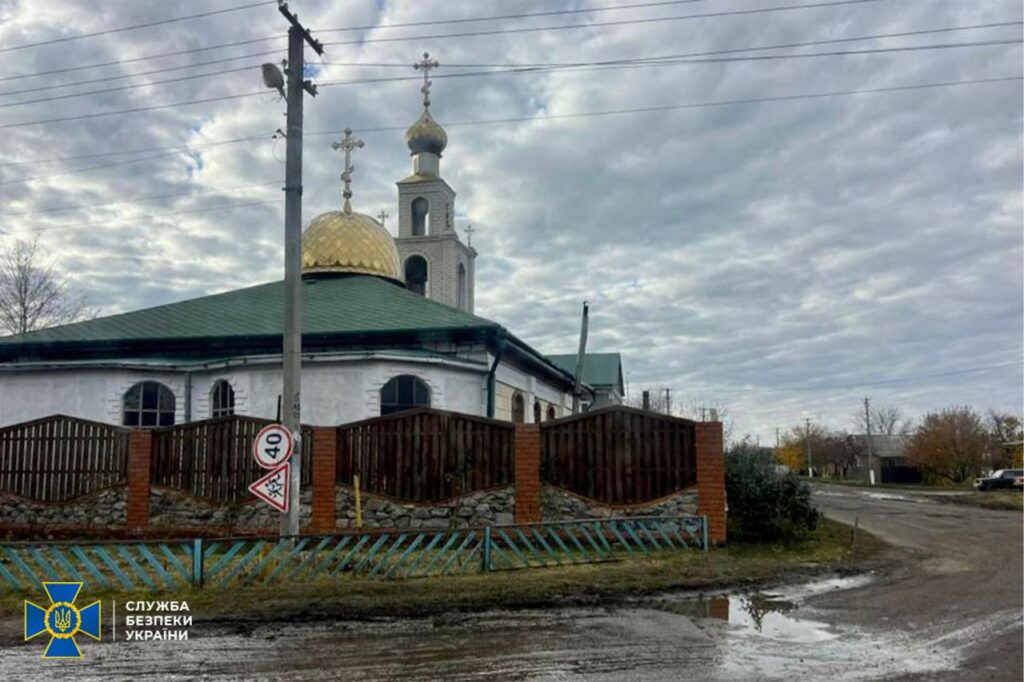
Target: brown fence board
619 455
425 454
59 458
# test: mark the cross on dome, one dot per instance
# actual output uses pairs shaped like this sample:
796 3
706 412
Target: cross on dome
348 143
426 65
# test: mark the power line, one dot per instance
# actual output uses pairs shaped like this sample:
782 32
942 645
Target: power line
452 35
880 382
601 24
611 112
567 64
149 24
140 199
75 226
642 62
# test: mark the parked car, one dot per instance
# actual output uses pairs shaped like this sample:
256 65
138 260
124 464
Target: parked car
1001 479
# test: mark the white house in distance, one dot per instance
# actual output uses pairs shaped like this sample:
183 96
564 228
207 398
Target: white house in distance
387 325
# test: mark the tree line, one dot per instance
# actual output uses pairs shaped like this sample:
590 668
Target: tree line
953 444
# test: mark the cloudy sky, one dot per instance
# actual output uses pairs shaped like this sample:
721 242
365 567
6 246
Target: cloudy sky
781 258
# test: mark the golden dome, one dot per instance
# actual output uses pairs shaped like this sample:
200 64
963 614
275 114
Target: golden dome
344 241
426 135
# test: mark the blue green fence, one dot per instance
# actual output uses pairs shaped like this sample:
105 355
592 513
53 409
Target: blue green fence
244 561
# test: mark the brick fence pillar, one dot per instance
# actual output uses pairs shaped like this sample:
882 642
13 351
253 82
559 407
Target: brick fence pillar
140 454
526 451
325 453
711 478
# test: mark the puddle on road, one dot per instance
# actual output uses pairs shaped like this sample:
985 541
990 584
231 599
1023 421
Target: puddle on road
773 634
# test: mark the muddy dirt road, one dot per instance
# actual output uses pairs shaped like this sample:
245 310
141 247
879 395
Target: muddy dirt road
950 610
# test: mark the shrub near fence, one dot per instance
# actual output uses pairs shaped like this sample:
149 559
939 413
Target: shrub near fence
59 458
426 455
620 455
212 459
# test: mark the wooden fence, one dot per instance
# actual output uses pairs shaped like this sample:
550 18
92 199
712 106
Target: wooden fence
619 455
58 458
213 458
426 454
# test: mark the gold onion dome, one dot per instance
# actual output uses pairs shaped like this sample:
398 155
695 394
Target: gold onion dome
426 135
346 241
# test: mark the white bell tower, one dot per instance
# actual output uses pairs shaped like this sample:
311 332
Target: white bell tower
435 263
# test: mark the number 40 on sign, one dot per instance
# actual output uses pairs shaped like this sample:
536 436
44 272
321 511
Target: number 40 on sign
272 449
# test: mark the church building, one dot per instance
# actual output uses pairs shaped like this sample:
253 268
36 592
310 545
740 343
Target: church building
388 324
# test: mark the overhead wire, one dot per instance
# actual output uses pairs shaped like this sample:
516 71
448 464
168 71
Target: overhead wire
612 112
148 24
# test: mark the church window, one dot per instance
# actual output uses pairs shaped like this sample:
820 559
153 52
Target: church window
404 392
222 399
536 412
416 275
148 403
420 215
551 413
518 408
461 287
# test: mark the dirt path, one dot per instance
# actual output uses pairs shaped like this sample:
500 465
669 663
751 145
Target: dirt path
950 610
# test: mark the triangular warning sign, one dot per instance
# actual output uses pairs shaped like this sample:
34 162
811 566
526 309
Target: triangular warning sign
273 488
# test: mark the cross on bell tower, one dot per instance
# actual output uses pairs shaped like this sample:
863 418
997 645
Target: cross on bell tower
348 143
426 64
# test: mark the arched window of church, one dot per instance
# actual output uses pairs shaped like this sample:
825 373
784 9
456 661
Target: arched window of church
222 399
420 216
536 412
462 287
551 413
404 392
416 274
518 408
148 403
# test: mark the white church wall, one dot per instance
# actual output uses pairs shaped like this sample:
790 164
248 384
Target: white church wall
87 394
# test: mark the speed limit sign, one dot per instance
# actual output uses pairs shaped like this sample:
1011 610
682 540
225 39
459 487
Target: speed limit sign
273 446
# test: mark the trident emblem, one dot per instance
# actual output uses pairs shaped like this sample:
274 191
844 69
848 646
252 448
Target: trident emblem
62 620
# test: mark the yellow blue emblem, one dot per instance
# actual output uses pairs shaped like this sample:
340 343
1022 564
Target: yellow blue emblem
62 620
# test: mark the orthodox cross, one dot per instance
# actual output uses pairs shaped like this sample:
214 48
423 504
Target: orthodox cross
469 235
426 65
348 144
382 216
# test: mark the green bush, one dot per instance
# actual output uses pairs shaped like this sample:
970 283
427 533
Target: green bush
765 505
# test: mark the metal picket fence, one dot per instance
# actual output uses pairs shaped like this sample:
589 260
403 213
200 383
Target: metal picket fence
393 554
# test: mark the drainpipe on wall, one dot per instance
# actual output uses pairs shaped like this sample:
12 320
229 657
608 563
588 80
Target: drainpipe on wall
188 396
490 375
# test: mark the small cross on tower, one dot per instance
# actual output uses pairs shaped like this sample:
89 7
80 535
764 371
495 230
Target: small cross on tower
469 235
426 65
382 217
348 143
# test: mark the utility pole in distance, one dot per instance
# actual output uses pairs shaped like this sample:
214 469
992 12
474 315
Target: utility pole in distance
871 448
807 445
668 401
298 35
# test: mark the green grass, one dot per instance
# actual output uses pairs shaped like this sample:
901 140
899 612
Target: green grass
734 566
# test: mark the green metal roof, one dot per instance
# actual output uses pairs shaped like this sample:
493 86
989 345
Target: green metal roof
599 369
331 305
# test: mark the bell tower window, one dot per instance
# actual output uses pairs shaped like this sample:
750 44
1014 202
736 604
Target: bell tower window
420 216
416 274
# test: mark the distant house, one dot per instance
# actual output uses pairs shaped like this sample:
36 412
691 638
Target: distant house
889 460
601 371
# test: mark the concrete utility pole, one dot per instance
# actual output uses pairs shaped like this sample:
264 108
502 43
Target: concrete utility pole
668 401
647 400
298 35
807 443
871 448
578 374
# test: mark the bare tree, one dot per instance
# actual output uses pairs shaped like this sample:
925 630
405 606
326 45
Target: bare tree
34 293
885 421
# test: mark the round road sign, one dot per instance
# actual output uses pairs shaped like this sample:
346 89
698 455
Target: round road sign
273 446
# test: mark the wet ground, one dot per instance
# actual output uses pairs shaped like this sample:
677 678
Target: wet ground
951 610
